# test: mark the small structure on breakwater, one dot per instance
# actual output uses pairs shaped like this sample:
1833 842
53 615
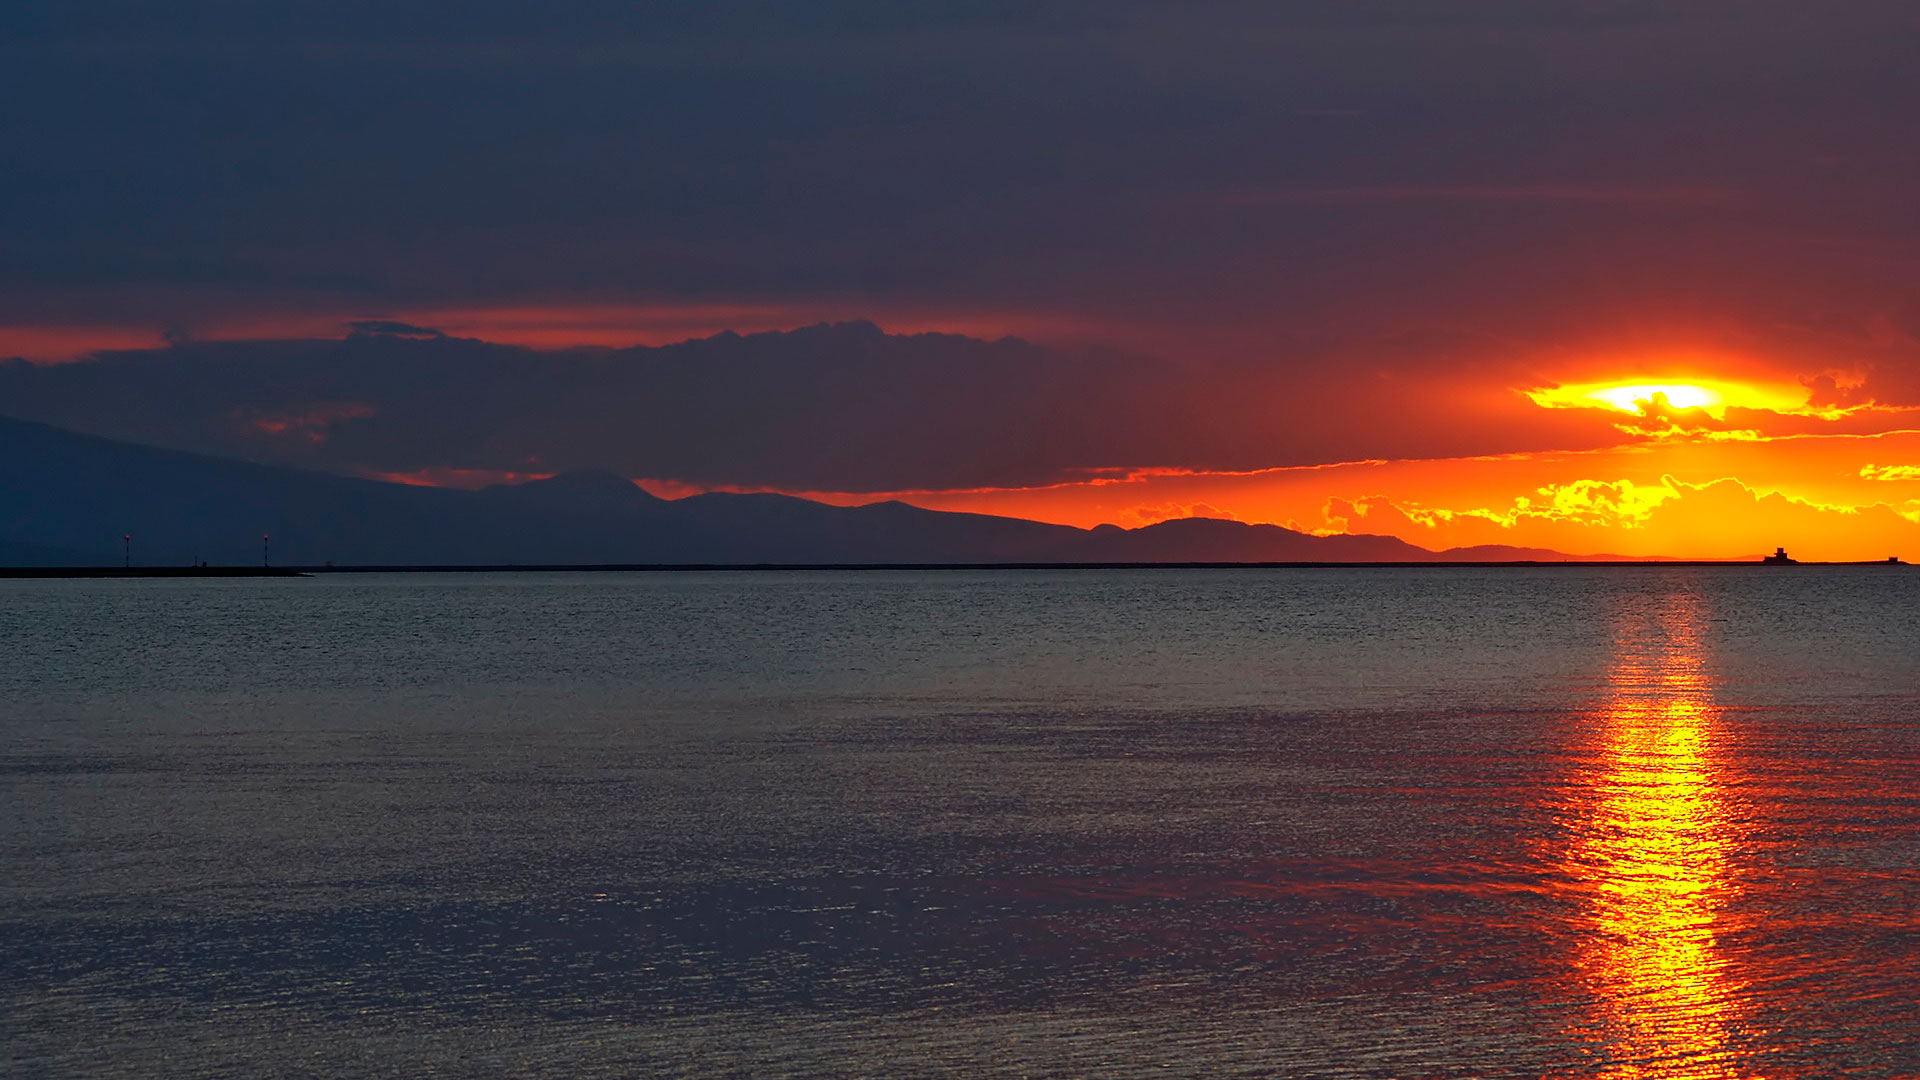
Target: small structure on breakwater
1780 558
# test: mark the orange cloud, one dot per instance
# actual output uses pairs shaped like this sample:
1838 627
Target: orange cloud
1593 504
1716 519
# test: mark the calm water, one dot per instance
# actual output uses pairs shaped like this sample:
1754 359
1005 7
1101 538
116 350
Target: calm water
1629 822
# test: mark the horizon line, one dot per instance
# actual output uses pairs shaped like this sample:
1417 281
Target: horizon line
493 568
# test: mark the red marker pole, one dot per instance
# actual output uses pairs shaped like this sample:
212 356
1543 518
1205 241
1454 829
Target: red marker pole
126 550
263 551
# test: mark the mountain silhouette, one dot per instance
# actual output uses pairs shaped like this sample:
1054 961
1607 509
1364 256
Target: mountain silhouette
68 499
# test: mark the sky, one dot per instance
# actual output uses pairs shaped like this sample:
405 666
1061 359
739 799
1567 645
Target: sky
1609 277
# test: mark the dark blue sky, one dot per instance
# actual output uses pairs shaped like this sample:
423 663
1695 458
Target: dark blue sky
1193 166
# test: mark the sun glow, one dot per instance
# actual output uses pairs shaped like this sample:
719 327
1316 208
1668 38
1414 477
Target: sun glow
1678 395
1639 396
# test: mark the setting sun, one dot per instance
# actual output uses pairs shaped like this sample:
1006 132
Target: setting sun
1712 395
1678 395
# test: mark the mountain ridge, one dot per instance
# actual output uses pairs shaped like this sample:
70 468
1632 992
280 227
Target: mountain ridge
68 498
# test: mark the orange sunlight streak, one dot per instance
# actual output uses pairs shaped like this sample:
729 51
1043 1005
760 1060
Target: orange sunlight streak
1650 860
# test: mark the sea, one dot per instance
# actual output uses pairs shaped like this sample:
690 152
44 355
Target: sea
1629 821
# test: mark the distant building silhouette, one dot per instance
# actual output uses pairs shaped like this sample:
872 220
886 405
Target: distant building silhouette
1780 558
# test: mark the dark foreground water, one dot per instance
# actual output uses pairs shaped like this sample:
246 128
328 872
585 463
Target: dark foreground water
1383 823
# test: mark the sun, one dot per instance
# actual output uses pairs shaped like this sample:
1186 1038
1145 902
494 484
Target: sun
1678 395
1712 396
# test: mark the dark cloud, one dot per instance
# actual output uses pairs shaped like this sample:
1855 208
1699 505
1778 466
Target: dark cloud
1868 361
1824 392
1466 164
390 328
843 407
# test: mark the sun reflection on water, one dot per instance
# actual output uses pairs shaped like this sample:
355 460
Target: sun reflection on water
1651 857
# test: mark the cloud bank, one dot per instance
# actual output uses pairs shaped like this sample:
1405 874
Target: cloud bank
829 408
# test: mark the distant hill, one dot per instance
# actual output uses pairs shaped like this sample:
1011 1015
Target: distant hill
1509 553
67 499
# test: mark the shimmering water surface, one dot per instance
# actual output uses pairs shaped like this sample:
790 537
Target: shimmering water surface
1637 822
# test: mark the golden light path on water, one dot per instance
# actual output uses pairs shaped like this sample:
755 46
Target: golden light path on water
1652 859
